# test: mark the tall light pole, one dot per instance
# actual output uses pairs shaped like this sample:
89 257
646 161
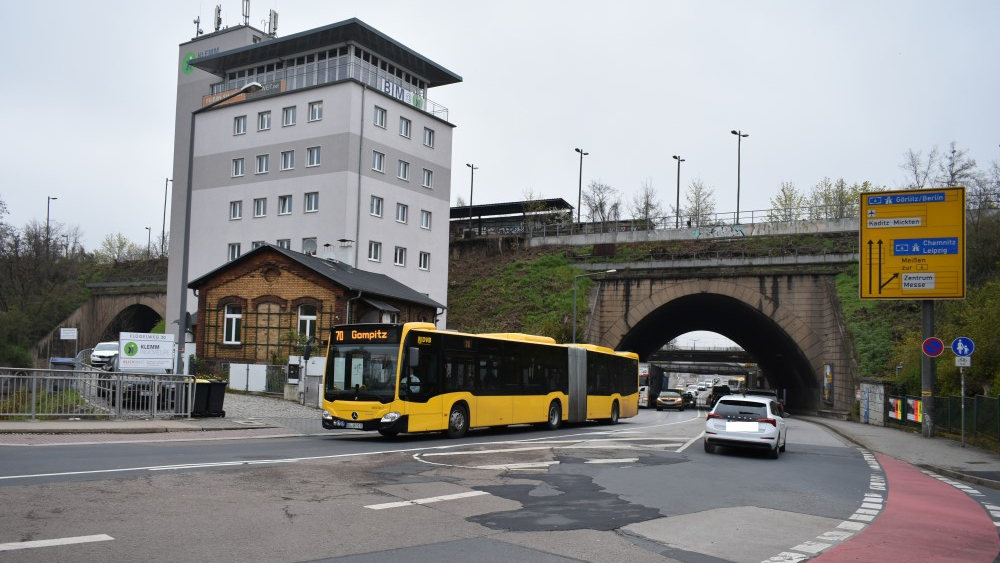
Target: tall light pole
163 233
182 318
148 240
574 294
579 193
678 208
472 184
739 150
48 208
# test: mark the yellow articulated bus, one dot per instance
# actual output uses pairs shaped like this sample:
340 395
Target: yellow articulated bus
412 377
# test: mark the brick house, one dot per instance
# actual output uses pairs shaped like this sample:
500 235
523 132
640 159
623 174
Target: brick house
260 307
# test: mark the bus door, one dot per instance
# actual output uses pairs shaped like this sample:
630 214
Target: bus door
495 402
420 388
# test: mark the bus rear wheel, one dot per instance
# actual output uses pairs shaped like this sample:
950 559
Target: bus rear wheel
614 413
554 420
458 422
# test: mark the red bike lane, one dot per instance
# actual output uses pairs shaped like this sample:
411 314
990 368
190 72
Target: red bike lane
923 520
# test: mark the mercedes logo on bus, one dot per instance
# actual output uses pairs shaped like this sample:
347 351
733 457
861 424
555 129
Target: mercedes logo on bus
354 415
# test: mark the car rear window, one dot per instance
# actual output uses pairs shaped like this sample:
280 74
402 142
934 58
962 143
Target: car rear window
741 408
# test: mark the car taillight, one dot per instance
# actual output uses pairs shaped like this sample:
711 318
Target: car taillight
713 415
770 421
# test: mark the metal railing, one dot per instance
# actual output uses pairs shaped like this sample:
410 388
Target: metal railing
47 394
981 415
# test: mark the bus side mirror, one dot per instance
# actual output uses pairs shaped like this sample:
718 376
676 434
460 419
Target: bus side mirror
414 357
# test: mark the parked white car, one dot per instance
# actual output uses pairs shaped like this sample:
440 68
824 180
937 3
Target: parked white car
746 421
103 353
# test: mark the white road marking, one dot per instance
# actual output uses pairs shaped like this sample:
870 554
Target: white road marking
429 500
53 542
621 460
516 466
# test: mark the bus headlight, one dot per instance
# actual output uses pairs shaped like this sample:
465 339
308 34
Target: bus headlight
390 417
327 416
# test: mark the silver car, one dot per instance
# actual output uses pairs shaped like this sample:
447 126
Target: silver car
746 421
103 353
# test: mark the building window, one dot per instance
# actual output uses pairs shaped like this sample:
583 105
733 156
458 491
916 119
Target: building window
312 202
428 137
288 116
312 156
378 161
379 117
257 244
403 170
260 207
375 251
404 127
402 212
263 163
376 206
233 324
425 261
287 160
428 179
239 125
425 219
285 243
234 251
309 246
235 209
399 258
238 167
264 121
315 111
307 320
284 204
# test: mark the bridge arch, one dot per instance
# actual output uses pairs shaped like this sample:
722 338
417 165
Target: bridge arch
775 318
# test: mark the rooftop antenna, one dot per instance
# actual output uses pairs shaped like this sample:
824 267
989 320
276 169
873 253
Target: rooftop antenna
246 12
272 24
197 26
218 17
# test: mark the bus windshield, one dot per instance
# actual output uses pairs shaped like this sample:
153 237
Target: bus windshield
362 372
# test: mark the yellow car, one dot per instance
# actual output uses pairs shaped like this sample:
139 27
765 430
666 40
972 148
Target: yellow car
669 400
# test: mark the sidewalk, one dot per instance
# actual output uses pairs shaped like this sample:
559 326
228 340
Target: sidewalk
941 455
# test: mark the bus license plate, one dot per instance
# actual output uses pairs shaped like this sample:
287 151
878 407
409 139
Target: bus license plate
353 425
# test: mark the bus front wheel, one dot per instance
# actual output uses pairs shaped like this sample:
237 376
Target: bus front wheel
614 413
554 420
458 422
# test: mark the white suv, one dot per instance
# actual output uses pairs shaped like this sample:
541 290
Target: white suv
102 353
746 421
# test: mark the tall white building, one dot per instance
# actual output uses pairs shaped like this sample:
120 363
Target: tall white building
338 153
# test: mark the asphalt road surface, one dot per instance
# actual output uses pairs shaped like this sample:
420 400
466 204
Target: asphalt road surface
640 491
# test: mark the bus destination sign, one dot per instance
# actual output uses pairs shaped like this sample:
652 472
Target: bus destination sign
366 334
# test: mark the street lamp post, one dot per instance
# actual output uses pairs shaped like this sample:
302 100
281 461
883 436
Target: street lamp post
182 318
48 209
149 238
739 150
472 184
677 210
579 193
574 294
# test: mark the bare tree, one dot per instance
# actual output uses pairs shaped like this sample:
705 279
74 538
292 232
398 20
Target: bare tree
701 205
460 202
787 205
835 200
117 248
955 168
918 170
603 203
645 207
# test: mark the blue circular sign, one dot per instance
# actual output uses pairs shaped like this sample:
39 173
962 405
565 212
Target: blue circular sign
963 346
933 346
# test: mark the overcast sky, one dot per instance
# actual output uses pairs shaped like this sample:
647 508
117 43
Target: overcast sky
838 89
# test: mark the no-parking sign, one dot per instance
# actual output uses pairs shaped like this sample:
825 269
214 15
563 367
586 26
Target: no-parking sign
933 346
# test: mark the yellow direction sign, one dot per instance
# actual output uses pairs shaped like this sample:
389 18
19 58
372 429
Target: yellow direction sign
913 244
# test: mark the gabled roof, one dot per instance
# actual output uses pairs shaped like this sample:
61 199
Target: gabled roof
369 284
353 30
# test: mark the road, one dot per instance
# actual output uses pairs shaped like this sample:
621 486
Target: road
643 491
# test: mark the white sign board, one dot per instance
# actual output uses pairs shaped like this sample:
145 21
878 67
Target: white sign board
963 362
67 334
143 351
